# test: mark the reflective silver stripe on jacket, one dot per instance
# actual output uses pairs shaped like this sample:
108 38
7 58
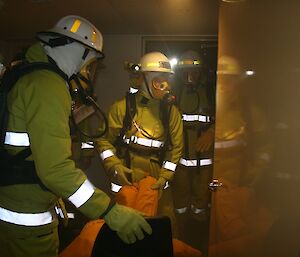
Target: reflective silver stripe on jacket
106 154
194 163
169 165
143 141
229 143
115 188
16 139
195 117
181 210
87 145
26 219
82 194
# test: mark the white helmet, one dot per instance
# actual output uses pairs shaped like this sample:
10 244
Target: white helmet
189 59
155 61
73 28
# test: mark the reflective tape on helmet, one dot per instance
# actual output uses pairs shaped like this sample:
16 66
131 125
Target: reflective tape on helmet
169 165
82 194
143 141
75 26
181 210
26 219
194 163
115 188
195 117
16 139
106 154
229 143
87 145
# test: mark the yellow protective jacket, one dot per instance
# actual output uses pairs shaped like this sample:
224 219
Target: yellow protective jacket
197 114
141 148
39 108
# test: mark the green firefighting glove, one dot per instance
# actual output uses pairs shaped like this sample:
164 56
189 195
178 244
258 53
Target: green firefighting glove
160 184
138 174
122 174
129 224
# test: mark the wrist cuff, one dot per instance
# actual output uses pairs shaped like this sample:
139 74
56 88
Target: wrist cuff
111 204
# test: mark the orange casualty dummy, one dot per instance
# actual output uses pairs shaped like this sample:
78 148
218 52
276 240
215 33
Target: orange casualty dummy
141 197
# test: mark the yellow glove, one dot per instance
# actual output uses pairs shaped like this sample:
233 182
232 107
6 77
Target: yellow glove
205 141
160 184
128 223
138 174
122 174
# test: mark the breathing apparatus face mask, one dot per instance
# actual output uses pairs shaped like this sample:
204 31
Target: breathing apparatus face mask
158 84
85 109
190 76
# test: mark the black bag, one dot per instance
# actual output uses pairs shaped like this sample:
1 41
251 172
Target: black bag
158 244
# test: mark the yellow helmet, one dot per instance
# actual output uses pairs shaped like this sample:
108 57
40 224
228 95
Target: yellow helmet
189 59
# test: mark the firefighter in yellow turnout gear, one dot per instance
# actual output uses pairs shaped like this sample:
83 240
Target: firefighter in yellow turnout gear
196 102
39 108
147 145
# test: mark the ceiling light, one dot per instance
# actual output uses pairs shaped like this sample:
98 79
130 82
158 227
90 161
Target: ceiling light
173 61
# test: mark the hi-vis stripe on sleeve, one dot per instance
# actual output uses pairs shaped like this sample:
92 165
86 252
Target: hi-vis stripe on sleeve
106 154
16 139
82 194
169 165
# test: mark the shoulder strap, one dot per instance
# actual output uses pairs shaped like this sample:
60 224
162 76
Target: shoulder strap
129 114
165 118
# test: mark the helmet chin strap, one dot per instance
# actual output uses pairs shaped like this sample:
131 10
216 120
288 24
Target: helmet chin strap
147 85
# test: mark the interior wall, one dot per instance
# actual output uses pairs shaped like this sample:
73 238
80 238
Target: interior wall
112 80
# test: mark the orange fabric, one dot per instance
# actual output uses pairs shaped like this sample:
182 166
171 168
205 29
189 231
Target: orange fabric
140 197
127 196
181 249
82 245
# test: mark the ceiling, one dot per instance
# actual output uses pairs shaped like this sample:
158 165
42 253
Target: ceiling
20 19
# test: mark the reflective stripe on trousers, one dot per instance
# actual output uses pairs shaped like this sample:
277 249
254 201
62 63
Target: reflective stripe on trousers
194 163
26 219
181 210
197 210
